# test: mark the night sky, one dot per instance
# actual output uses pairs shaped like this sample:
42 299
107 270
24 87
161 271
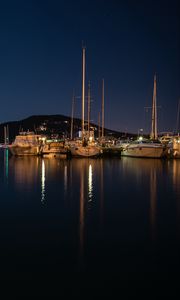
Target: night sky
127 42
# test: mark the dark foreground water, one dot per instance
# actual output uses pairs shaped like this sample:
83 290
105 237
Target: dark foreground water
87 224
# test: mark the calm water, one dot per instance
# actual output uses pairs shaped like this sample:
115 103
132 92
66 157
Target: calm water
89 223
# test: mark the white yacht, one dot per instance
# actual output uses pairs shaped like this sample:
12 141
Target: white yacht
144 148
152 147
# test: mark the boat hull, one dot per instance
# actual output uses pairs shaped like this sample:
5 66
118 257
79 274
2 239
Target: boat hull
144 151
53 150
88 151
26 143
23 150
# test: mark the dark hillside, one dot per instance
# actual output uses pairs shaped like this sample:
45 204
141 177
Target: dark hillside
52 125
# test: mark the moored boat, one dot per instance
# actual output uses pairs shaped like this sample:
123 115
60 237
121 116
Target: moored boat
26 143
148 148
145 148
85 151
54 148
84 147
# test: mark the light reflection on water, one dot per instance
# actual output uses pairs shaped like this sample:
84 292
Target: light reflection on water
90 183
176 186
43 179
28 171
99 213
24 171
146 170
81 219
6 162
65 179
176 174
153 201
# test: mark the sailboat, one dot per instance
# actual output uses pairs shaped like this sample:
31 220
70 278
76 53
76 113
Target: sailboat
149 148
84 148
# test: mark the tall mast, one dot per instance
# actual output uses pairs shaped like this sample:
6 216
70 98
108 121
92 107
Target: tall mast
154 113
177 121
83 89
102 108
99 124
5 135
72 116
89 107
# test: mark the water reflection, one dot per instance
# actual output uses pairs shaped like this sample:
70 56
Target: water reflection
90 183
101 193
65 179
31 173
83 174
53 171
43 178
153 201
81 219
6 162
25 171
176 175
146 172
176 186
98 214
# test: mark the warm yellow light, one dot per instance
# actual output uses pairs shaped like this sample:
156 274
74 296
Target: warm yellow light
43 181
90 184
65 178
43 139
